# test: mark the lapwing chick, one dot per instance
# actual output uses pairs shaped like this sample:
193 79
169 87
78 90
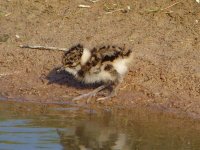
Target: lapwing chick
106 64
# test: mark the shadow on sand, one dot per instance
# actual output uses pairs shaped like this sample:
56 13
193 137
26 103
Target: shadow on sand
62 77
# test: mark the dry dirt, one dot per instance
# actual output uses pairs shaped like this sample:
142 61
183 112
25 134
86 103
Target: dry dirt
166 71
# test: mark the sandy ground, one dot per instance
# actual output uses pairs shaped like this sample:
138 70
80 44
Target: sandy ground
165 39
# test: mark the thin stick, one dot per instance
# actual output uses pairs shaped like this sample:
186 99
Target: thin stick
110 12
43 47
94 1
9 73
170 6
84 6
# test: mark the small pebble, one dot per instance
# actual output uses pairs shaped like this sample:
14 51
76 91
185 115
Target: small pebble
17 36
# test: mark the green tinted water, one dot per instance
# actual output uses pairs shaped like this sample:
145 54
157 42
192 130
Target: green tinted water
54 127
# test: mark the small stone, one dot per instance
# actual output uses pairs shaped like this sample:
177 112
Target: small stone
17 36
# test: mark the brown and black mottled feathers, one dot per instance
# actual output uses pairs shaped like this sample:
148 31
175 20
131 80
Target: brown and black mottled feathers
98 55
104 54
110 53
74 54
100 59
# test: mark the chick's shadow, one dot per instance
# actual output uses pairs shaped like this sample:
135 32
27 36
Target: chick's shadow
61 77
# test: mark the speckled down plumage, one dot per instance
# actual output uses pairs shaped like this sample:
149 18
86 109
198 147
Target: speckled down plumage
100 64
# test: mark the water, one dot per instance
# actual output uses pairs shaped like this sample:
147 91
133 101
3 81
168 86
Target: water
28 126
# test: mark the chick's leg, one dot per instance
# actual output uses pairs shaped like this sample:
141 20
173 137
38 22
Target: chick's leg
114 90
90 94
113 93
